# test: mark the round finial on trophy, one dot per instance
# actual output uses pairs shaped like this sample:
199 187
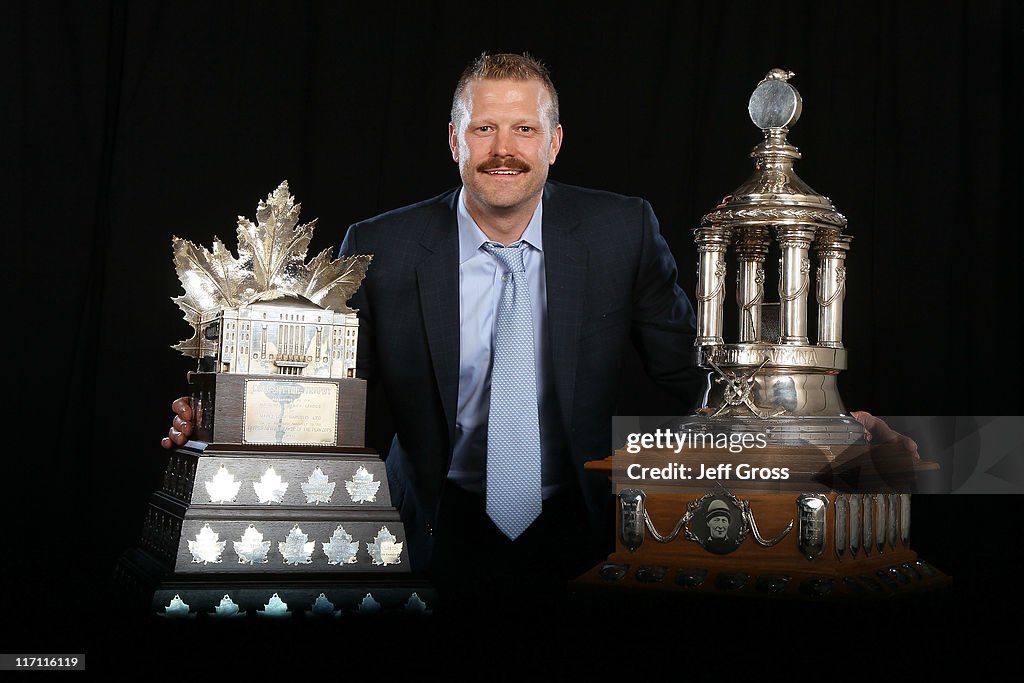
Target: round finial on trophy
775 103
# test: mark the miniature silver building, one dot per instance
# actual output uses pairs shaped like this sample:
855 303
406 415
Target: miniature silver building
268 312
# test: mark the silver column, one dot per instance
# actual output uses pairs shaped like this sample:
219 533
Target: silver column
751 250
794 280
831 288
712 243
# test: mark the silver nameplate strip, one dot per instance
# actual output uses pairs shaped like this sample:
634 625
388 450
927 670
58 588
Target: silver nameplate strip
631 518
811 526
841 522
854 524
905 518
891 524
880 521
868 519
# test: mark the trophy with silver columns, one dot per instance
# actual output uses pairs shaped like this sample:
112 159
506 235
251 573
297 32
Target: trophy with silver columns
773 378
770 487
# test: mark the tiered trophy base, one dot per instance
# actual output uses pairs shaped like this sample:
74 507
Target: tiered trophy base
146 585
823 556
239 530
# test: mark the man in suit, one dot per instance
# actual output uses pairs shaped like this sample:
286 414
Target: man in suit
598 273
504 501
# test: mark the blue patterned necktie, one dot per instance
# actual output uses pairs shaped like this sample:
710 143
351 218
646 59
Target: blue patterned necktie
513 425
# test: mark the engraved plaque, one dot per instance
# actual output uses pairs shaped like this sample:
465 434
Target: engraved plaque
318 487
613 572
341 549
176 609
854 524
651 573
207 546
323 607
880 521
275 607
361 487
297 548
385 548
631 518
891 523
369 605
811 529
841 516
223 488
415 604
288 412
867 517
904 518
252 549
227 609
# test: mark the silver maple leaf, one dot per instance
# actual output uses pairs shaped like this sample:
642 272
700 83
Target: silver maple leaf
296 549
318 488
385 549
271 264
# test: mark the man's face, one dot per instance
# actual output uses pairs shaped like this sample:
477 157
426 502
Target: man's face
504 144
719 526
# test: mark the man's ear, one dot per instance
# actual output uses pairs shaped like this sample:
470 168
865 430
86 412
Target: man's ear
453 141
556 144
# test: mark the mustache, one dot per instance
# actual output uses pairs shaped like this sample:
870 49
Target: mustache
506 163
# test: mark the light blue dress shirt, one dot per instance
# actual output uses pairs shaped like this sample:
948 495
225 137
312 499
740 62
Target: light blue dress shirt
480 287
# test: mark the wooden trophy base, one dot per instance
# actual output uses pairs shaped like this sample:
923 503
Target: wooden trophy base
762 559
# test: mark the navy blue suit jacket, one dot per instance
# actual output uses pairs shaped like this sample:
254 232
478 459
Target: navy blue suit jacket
611 279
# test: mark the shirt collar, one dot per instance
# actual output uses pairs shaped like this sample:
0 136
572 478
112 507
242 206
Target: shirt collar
471 237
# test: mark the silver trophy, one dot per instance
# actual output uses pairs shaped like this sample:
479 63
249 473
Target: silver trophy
275 502
773 378
274 337
776 381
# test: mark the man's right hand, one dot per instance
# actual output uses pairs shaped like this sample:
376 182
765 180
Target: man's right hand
181 425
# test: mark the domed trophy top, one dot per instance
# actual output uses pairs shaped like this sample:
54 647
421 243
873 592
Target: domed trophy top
775 195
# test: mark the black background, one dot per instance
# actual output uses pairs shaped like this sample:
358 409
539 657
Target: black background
136 121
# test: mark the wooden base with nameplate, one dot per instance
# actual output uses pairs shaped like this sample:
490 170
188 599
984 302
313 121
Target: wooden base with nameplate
814 535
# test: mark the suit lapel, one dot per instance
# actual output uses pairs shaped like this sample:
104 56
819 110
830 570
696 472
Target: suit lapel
565 263
438 278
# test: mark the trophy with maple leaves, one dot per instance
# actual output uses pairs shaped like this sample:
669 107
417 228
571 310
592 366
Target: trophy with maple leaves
278 424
